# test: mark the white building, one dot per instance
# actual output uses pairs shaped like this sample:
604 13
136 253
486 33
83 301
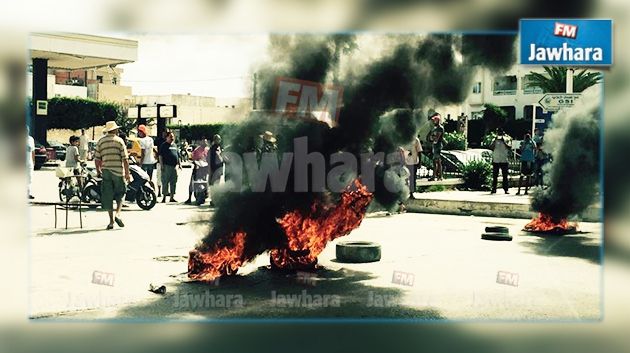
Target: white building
199 109
508 91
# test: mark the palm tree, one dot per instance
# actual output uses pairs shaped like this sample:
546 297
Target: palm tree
556 80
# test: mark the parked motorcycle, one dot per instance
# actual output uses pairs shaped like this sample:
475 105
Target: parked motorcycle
139 190
201 173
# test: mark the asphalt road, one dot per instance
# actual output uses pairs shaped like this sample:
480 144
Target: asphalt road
433 267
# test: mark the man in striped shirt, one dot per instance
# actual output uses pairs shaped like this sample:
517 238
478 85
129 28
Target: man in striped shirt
112 164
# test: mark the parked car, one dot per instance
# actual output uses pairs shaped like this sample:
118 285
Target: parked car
41 155
60 150
453 160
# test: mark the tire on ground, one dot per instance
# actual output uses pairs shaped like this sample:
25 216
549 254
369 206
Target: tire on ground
497 229
496 236
358 251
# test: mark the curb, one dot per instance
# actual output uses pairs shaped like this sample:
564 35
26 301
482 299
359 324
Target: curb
487 209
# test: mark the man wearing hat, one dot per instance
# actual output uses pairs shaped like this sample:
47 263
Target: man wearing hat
111 160
437 142
147 156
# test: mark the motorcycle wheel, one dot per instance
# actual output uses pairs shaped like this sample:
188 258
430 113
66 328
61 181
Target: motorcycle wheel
146 198
92 196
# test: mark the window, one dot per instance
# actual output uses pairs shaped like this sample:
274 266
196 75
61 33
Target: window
99 79
504 85
529 89
477 87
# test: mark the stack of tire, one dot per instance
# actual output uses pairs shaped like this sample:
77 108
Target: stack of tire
499 233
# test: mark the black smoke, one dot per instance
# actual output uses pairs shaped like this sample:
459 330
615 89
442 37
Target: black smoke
573 176
384 102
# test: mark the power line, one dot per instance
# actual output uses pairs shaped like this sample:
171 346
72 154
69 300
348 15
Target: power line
196 80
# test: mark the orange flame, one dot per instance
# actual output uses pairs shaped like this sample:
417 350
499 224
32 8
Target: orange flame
307 236
206 266
545 223
324 223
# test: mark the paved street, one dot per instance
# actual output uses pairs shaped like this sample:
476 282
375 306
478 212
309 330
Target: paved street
450 272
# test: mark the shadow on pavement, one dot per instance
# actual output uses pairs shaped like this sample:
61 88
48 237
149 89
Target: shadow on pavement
64 231
199 301
565 245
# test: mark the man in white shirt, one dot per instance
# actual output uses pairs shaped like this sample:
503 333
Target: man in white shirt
30 162
83 146
501 147
413 160
147 157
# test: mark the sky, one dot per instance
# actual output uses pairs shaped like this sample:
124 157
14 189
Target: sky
205 65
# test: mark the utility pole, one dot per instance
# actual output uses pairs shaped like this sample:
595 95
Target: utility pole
254 93
569 87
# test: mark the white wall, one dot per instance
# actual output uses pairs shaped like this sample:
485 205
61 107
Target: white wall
69 91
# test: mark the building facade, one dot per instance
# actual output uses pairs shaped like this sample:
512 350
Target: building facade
199 109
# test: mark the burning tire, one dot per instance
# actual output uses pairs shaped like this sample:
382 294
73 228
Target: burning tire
358 251
497 229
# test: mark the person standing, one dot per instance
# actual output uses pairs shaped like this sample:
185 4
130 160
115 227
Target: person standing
72 154
215 162
199 154
147 154
538 136
30 163
83 146
158 167
437 142
527 149
169 161
500 149
112 164
412 161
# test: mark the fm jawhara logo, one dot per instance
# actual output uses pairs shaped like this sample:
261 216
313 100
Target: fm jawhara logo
583 42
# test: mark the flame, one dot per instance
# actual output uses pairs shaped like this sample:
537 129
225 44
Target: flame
545 223
324 223
306 234
222 260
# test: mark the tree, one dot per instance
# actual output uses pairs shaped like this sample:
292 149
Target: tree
493 117
555 80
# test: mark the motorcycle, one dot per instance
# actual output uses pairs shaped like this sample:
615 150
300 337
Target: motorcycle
70 188
201 172
139 190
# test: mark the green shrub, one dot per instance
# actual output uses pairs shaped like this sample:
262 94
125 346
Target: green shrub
434 188
454 141
81 113
477 175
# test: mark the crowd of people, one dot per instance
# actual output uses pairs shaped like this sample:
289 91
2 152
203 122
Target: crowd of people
532 158
163 157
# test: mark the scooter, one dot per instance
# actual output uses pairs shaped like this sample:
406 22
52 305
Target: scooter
138 190
201 172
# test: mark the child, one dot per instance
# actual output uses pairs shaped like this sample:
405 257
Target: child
72 154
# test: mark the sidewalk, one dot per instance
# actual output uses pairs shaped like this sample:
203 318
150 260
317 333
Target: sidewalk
482 203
